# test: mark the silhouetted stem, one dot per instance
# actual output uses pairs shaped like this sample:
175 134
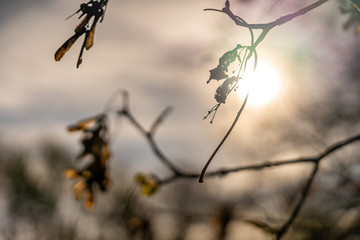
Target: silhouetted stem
284 19
149 134
201 179
118 93
266 28
177 174
260 166
316 160
159 120
152 143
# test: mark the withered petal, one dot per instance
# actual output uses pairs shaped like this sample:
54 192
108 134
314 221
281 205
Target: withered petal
82 25
65 47
90 38
71 173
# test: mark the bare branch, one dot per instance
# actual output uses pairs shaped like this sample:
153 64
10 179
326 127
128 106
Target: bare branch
304 194
337 146
179 174
160 119
305 191
259 166
284 19
298 13
201 179
265 30
125 111
118 93
312 159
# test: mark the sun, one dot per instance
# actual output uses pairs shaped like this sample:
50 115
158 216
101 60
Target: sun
264 84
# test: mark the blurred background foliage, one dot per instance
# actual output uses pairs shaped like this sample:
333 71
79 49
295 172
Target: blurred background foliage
37 204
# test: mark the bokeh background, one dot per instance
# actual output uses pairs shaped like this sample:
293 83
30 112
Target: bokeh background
161 53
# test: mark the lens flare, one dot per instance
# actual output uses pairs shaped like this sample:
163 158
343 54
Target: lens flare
264 85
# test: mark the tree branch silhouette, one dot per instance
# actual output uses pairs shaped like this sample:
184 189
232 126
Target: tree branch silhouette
304 194
178 174
98 135
315 160
149 134
265 27
282 20
202 174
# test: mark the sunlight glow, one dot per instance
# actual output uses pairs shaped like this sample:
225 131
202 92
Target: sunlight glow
264 84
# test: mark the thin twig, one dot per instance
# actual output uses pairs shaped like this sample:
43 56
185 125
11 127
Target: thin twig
337 146
201 179
149 134
160 119
312 159
304 194
260 166
305 191
112 98
265 30
284 19
179 174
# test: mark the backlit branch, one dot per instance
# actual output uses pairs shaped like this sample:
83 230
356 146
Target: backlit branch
178 174
150 184
125 111
284 19
304 193
220 72
312 159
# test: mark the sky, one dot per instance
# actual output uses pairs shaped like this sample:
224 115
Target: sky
161 53
145 52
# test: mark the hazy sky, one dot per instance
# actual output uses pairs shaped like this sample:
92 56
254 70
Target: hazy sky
40 96
161 52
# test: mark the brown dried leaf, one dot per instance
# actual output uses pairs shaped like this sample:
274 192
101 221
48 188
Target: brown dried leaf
82 24
71 173
90 38
82 125
89 200
65 47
